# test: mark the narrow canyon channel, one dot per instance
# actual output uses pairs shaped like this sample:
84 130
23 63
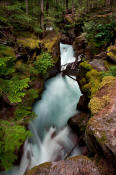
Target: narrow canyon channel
52 139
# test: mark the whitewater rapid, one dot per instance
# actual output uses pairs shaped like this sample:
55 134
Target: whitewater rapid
52 139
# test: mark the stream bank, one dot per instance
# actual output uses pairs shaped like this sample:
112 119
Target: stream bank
22 57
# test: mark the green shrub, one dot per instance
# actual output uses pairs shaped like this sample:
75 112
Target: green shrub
6 65
43 63
99 34
111 72
23 112
14 88
12 136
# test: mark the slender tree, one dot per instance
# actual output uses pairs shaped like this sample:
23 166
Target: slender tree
66 5
42 14
73 7
27 7
47 5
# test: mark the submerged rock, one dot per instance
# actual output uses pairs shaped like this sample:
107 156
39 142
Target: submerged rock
79 165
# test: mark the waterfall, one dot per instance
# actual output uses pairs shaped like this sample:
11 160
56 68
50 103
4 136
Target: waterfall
52 139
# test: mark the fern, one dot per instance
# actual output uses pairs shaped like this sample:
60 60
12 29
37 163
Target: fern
23 112
6 65
12 136
43 63
111 72
14 87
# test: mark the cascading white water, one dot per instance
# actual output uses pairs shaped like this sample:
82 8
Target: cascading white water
67 55
52 140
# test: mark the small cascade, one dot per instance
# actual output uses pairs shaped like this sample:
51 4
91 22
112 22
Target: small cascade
52 139
67 55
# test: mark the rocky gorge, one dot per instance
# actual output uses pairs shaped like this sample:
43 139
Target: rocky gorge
95 123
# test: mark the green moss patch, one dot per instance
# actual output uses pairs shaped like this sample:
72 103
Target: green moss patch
111 52
91 79
29 42
6 51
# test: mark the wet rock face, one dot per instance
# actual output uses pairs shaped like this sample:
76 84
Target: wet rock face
111 53
56 57
79 165
98 64
78 122
105 167
80 46
101 128
78 125
83 104
65 39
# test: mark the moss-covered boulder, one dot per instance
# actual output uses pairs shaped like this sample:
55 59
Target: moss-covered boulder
79 165
43 168
88 79
111 53
101 128
6 51
51 43
31 43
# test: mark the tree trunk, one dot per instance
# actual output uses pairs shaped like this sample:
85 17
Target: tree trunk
66 4
27 8
87 5
72 7
42 14
47 6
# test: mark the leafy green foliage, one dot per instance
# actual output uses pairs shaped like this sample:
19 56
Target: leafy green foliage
99 34
43 63
33 93
14 87
23 112
12 136
110 72
3 20
6 66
